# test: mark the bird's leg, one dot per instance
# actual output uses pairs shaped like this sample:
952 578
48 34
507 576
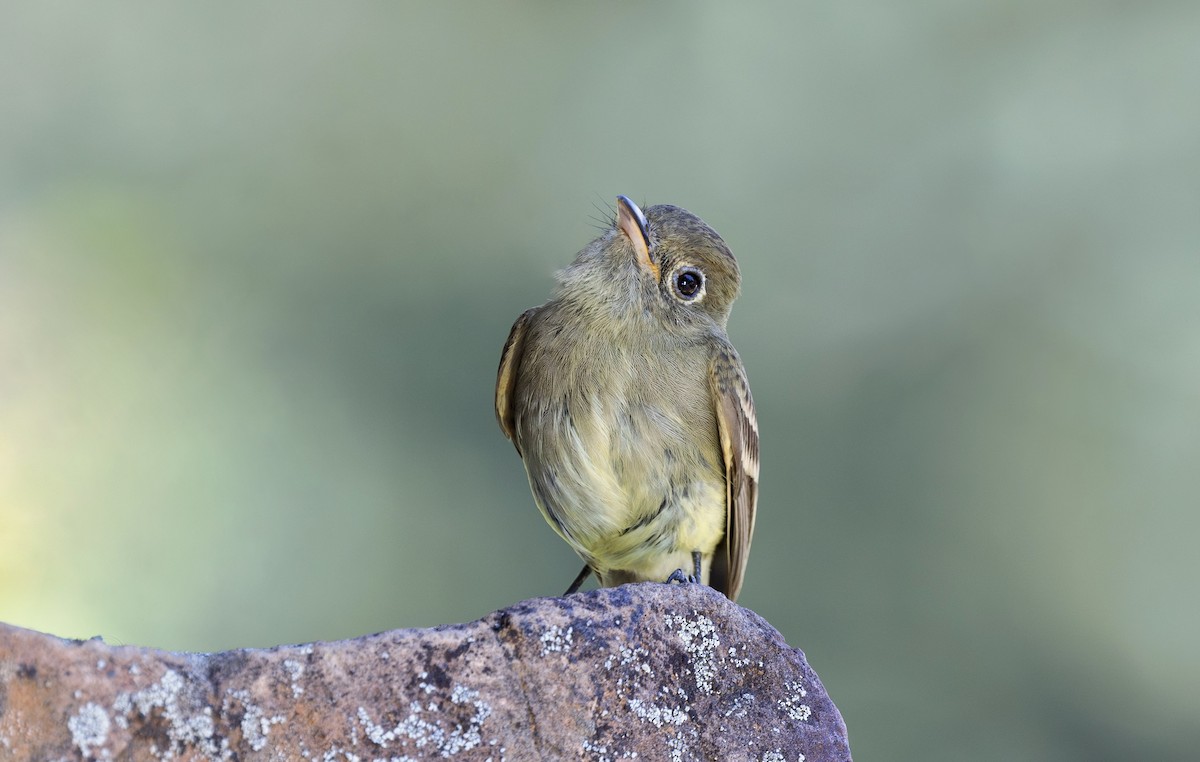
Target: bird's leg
583 575
679 576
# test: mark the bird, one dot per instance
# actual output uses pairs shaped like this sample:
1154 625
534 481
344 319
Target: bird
630 408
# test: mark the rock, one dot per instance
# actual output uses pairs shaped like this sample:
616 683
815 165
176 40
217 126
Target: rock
649 672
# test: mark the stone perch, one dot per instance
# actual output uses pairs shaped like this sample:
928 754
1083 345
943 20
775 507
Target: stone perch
647 672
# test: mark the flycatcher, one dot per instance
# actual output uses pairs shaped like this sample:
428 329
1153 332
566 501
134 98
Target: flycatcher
631 410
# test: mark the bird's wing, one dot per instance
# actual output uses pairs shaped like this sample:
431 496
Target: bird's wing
737 429
506 376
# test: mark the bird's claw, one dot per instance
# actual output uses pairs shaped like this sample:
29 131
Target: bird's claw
679 576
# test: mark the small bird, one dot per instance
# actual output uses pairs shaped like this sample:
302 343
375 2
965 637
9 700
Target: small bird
630 408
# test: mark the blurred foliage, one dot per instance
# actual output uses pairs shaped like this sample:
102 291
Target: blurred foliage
256 266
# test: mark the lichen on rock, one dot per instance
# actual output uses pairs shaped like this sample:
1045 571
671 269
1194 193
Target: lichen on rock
649 671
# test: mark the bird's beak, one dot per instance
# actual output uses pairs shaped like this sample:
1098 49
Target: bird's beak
632 223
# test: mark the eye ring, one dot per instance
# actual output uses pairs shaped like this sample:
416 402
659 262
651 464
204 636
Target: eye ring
687 284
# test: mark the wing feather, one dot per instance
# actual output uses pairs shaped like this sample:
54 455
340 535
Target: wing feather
506 376
737 429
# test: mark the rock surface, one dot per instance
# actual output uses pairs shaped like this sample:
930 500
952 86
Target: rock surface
648 672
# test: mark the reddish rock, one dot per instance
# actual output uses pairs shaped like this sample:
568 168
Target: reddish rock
649 672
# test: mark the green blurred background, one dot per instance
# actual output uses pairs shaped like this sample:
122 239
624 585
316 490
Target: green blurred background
257 262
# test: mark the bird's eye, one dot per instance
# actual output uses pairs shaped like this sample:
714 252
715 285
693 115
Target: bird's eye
689 283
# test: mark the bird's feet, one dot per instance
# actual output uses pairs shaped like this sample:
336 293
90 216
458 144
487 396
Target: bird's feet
583 575
679 576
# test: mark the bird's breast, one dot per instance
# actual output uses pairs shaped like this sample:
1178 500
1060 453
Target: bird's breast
619 443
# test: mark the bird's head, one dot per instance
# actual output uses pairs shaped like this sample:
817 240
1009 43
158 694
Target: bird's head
665 264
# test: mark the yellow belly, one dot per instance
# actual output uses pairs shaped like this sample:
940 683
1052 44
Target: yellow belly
634 500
